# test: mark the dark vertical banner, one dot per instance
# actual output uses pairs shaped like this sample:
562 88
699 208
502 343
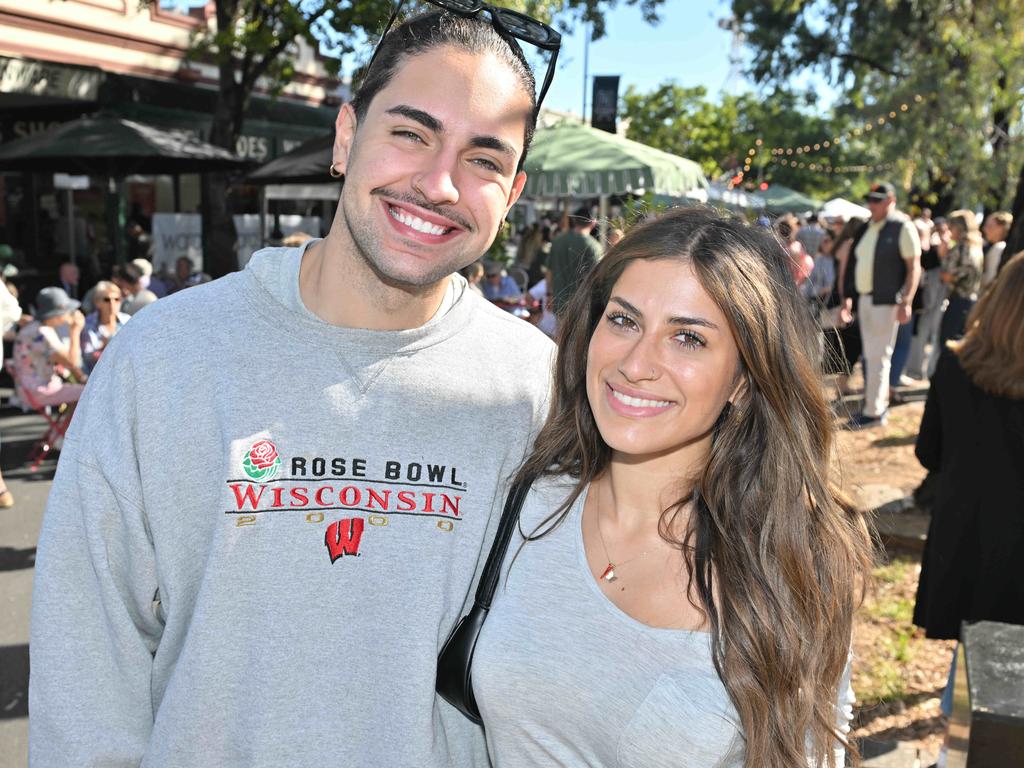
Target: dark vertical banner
604 106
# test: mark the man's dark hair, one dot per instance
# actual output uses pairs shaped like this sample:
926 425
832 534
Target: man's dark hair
431 30
582 217
128 272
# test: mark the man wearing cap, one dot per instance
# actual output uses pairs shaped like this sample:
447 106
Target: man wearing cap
573 254
883 278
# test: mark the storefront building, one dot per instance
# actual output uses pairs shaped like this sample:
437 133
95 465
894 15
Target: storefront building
62 60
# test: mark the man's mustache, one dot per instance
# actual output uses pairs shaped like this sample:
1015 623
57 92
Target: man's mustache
426 205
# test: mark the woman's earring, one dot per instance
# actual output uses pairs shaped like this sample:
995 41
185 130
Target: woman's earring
335 173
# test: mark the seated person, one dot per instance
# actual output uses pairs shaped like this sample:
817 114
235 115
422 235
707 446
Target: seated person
39 350
102 324
151 281
186 275
498 285
129 278
474 275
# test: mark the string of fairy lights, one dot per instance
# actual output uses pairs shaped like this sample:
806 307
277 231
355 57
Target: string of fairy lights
796 156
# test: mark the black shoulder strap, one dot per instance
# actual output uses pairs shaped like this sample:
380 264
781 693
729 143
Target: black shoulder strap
492 568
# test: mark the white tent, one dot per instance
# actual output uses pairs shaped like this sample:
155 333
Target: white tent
840 207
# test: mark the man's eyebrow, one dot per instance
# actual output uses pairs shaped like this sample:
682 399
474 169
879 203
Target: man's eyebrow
681 320
493 142
425 119
434 125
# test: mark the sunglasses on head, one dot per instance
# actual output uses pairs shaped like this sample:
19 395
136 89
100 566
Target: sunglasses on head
507 22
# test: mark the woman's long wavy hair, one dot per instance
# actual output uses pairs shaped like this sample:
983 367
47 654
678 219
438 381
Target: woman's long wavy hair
777 557
992 349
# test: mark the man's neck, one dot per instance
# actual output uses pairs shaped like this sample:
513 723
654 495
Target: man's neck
338 286
886 215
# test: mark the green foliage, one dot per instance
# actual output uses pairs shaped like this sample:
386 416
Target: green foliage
966 58
719 135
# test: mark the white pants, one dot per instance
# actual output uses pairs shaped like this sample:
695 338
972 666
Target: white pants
878 336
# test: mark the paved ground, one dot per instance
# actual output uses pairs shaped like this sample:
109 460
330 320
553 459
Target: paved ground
19 532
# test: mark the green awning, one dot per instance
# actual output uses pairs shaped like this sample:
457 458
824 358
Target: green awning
780 199
571 159
271 127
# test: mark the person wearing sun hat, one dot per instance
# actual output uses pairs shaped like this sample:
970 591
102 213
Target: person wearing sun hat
39 351
882 277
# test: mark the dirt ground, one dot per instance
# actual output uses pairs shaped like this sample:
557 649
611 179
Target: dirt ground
900 673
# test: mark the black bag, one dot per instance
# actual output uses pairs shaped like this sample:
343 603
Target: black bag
455 662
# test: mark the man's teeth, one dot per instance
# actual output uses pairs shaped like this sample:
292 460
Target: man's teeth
636 402
415 222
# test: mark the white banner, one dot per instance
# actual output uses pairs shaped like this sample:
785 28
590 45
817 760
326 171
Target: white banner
250 239
176 235
180 234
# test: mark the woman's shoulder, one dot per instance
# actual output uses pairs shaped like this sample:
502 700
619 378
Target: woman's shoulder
547 494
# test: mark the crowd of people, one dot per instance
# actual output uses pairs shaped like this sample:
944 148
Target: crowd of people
551 260
890 292
57 338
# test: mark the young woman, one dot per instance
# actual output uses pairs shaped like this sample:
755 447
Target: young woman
687 572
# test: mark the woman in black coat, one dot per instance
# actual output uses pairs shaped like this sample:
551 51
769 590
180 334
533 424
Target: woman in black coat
972 434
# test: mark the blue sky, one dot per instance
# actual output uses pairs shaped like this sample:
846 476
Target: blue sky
687 46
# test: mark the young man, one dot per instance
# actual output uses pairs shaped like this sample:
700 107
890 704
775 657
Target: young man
272 504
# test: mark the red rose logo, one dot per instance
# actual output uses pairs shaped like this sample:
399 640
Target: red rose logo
261 462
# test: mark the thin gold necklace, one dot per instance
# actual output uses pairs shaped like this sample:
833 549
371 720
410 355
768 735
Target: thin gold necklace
609 573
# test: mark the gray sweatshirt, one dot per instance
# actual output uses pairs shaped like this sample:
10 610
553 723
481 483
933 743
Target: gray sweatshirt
263 527
564 677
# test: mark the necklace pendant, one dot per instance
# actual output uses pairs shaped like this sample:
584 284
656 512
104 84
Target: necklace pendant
609 573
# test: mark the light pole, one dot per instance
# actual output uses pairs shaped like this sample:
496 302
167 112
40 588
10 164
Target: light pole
586 66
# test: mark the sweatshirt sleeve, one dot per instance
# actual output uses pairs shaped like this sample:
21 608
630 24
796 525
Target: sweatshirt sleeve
95 625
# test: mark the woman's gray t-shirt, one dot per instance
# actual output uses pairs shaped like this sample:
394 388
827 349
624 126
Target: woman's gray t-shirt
565 677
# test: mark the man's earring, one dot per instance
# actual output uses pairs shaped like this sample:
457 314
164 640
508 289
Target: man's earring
335 173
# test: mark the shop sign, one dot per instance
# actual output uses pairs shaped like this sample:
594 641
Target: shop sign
253 148
42 78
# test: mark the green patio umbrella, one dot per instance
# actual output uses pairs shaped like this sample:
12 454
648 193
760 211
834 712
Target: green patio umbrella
780 199
306 164
113 147
571 159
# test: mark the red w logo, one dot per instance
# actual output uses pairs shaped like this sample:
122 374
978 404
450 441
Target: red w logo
342 537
